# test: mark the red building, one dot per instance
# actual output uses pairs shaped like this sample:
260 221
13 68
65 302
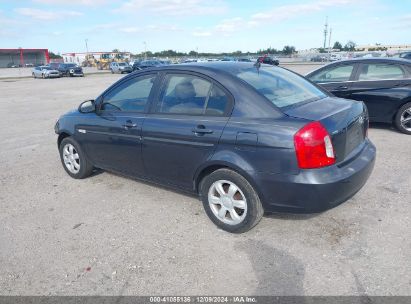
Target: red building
23 57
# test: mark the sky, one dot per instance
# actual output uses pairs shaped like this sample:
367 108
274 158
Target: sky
204 25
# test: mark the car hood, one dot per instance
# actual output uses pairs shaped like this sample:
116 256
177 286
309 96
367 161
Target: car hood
73 112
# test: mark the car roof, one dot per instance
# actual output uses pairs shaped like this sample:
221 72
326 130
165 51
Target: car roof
368 60
229 67
362 60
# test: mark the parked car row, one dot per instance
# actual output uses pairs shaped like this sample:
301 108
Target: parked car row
55 70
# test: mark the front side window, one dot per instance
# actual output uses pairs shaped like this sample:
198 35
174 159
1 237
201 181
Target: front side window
283 88
334 74
380 71
192 95
131 95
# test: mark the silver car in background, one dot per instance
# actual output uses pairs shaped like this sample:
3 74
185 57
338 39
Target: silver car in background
120 67
45 72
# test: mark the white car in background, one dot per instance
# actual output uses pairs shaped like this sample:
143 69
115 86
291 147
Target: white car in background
45 72
335 57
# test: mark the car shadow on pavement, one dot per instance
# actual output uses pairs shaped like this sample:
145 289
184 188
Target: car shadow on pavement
383 126
96 172
291 216
276 271
152 184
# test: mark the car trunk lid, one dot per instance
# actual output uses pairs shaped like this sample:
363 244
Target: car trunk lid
345 120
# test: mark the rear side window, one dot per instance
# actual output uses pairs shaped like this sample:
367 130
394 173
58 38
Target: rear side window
380 71
191 95
283 88
334 74
131 95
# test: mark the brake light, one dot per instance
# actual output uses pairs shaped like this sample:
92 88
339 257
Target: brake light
313 146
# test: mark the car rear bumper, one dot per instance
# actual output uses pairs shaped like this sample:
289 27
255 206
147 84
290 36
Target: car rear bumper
317 190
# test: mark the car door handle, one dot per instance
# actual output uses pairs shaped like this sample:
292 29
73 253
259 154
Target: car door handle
129 124
342 88
201 130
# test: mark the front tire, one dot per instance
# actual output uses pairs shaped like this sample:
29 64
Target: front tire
74 160
403 119
230 201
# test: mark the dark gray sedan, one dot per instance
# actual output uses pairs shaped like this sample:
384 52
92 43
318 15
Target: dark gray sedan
246 138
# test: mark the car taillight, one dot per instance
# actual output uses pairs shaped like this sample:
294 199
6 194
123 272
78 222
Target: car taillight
313 146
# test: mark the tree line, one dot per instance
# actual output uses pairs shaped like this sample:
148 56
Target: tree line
287 50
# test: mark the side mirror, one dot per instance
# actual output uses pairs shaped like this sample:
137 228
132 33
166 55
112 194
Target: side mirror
87 106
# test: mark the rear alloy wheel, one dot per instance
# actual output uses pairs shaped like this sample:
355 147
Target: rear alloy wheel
73 159
403 119
230 201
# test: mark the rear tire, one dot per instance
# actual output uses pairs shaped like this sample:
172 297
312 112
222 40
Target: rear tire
230 201
34 75
402 119
74 160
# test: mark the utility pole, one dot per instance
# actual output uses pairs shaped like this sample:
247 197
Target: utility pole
325 31
87 59
145 50
329 45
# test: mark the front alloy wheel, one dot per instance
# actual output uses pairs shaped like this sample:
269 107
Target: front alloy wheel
73 159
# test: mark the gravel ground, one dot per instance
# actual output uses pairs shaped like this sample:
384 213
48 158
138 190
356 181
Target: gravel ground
109 235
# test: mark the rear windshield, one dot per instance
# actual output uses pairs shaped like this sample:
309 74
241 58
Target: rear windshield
283 88
122 64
